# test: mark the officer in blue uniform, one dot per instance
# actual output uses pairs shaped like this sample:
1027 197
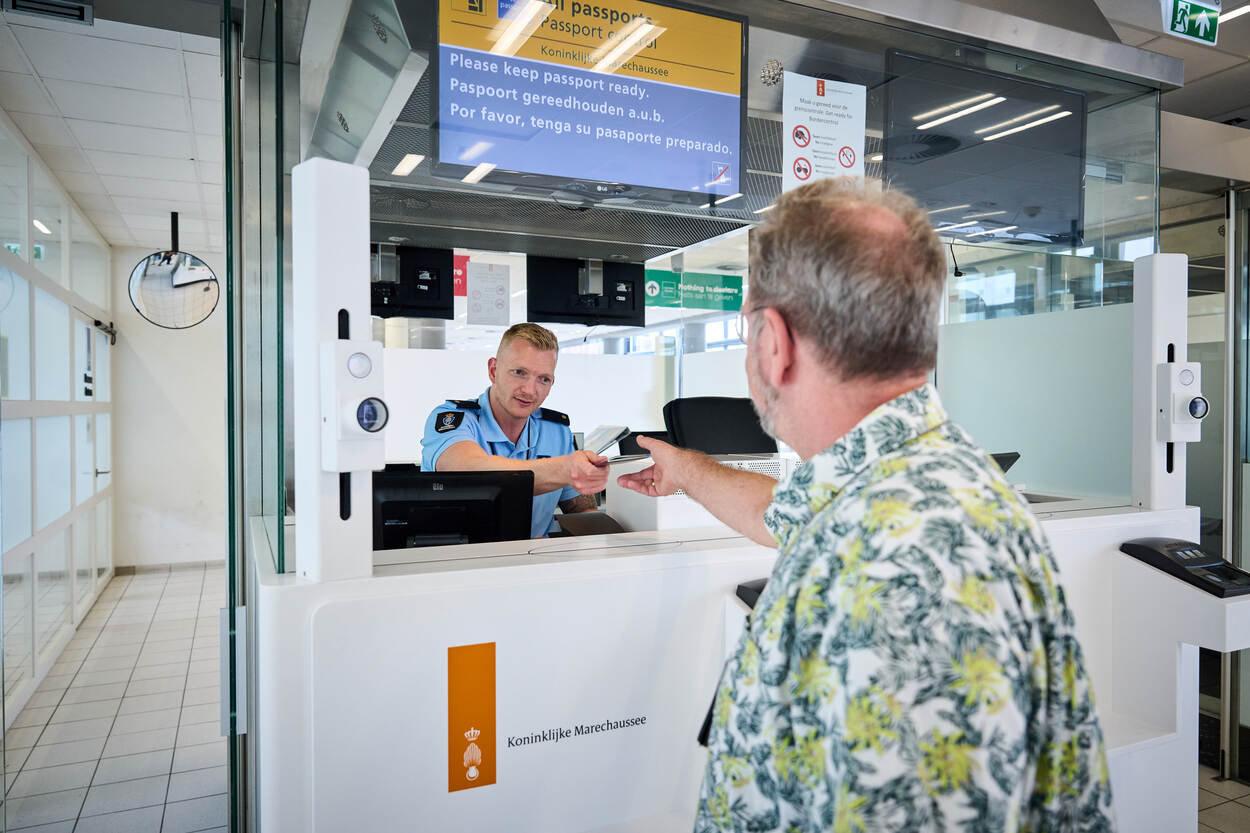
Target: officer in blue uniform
506 428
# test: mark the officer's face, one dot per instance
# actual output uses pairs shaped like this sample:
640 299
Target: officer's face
521 376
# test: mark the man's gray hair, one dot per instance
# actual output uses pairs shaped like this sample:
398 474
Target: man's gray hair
859 273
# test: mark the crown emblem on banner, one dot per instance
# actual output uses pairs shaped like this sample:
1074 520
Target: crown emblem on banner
472 734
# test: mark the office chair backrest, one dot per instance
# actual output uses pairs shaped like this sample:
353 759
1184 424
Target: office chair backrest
717 425
629 443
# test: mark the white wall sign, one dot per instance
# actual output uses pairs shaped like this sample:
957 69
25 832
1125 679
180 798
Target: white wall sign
488 294
822 130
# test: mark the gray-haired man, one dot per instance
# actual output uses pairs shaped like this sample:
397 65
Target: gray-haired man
912 664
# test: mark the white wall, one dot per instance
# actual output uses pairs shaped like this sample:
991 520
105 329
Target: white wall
169 434
592 390
717 373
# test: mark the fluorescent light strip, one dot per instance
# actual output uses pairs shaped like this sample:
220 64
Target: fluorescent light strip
627 48
1029 126
408 164
728 198
39 225
958 225
762 210
608 45
984 214
1229 15
876 157
1016 120
477 173
964 103
949 208
475 151
990 231
522 25
959 114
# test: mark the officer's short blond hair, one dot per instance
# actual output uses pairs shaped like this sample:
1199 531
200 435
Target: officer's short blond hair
532 334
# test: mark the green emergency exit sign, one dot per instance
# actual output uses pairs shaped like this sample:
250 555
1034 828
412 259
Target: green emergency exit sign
1192 20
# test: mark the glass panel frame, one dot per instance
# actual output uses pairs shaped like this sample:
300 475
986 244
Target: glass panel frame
50 225
15 333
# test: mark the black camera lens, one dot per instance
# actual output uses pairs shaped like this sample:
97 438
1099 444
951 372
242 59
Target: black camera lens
371 414
1198 407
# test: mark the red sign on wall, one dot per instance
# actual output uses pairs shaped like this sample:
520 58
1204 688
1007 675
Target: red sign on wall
459 274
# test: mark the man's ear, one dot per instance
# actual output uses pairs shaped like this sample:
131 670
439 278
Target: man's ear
491 364
777 347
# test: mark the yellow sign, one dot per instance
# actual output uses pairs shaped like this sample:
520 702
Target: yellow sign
626 39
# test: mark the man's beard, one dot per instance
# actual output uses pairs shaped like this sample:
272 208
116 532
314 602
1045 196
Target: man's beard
764 402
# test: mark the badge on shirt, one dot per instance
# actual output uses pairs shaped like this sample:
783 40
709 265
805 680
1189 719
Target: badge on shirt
448 421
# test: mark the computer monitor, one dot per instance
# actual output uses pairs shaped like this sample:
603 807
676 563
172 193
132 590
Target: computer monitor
413 508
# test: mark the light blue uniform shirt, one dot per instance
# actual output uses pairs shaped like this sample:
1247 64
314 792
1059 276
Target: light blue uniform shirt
449 424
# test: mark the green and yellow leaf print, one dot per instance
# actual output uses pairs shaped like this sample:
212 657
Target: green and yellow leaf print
912 661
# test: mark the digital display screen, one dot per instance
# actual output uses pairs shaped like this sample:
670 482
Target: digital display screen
620 92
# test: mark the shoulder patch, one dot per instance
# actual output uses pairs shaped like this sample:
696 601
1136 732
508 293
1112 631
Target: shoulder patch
466 404
553 416
448 421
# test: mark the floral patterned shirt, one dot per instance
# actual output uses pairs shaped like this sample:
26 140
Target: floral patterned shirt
912 664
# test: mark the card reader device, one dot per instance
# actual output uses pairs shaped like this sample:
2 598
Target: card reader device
1190 563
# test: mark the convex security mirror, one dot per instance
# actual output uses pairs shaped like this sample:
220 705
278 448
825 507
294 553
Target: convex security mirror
173 289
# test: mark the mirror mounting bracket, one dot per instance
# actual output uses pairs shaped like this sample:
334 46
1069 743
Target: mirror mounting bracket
108 329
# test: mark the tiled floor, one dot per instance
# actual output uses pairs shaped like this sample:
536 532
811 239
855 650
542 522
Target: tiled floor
123 734
1223 806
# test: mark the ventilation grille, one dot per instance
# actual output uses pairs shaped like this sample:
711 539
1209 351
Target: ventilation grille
75 11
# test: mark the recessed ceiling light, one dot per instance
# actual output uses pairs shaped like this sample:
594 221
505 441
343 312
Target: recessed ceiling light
949 208
728 198
953 106
1029 126
1229 15
990 231
39 225
876 157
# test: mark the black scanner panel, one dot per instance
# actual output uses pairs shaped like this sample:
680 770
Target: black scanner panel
1190 563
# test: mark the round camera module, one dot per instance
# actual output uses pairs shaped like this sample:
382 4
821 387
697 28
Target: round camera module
1198 407
371 414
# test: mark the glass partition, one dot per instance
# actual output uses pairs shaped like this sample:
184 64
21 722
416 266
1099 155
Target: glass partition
49 225
14 336
13 223
51 591
89 256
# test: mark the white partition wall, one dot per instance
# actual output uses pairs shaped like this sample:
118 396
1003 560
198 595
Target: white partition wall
1055 387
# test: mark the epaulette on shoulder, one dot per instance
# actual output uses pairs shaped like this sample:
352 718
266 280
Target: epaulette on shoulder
553 416
466 404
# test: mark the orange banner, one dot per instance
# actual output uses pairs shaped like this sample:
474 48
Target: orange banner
470 716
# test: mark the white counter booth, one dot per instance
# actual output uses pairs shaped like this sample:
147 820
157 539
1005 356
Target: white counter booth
584 665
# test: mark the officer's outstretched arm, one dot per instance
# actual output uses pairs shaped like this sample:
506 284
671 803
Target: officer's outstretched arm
585 471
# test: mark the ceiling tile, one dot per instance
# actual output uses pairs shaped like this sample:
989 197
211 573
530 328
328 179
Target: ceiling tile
210 172
44 130
156 208
116 235
93 201
11 59
148 222
134 34
23 94
1200 61
102 218
206 116
211 148
83 58
158 189
199 43
77 100
65 159
80 182
203 75
150 167
120 138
